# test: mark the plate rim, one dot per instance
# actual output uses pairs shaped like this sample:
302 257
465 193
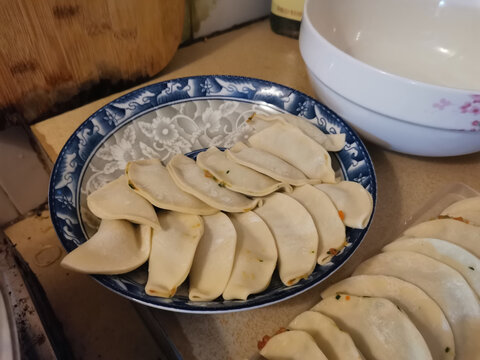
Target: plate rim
238 305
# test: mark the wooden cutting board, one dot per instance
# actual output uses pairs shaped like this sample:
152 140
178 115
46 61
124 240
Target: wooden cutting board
51 50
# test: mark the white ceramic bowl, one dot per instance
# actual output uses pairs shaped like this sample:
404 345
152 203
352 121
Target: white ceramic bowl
405 74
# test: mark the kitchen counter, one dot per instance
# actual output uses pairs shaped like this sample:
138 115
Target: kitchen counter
404 184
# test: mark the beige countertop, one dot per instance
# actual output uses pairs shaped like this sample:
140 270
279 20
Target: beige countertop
404 183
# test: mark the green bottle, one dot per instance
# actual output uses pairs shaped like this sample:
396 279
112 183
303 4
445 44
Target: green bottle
285 17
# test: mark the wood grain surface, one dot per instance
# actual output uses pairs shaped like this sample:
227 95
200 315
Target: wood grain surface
51 50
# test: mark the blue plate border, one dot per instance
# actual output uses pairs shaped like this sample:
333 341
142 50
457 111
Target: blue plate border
68 169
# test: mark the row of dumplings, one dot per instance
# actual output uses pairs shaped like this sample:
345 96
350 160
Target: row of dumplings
417 299
221 220
284 150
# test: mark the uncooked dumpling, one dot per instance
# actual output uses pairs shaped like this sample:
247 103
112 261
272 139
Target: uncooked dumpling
116 248
331 142
335 343
237 177
450 254
378 327
115 201
268 164
444 285
352 199
292 345
295 235
466 209
255 257
213 261
173 248
190 178
330 228
425 314
455 231
150 179
290 144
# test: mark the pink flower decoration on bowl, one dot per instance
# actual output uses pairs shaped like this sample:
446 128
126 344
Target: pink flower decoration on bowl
442 104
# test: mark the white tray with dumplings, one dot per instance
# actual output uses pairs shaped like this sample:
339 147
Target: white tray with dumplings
417 299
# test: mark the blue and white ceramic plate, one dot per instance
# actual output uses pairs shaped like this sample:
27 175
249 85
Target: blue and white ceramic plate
184 116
